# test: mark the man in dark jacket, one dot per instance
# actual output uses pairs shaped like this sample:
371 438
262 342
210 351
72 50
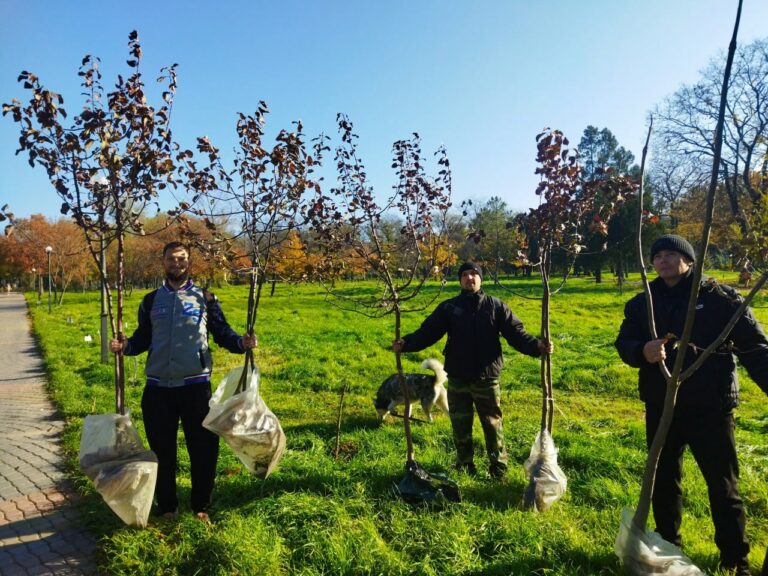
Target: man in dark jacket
174 323
703 418
473 360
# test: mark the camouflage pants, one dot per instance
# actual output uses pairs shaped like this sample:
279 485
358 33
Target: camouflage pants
484 395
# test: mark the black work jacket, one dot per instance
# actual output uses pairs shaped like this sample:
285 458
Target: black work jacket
714 386
473 322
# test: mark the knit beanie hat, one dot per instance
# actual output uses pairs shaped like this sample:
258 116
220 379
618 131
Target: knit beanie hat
470 266
673 242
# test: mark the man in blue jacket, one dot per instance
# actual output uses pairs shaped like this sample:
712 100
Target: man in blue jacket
174 323
474 321
703 417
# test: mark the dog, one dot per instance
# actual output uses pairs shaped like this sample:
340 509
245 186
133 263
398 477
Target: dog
424 388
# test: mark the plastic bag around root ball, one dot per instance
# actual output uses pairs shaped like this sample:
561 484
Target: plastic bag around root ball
546 481
121 469
647 553
246 424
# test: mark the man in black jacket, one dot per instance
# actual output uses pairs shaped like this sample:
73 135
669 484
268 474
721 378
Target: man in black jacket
703 418
473 361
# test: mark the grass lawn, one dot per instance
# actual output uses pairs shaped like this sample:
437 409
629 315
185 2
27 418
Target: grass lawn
316 515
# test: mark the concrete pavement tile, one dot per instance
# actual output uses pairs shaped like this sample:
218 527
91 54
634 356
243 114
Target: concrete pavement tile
12 569
9 539
61 568
13 515
62 547
40 570
55 496
38 499
26 506
25 558
29 537
41 525
61 522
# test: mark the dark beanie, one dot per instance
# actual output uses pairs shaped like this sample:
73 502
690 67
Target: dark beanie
673 242
470 266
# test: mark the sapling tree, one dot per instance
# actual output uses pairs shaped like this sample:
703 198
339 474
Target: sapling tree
107 164
677 375
349 221
566 201
251 208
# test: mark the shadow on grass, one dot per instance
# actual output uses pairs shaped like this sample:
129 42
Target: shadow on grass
327 430
575 563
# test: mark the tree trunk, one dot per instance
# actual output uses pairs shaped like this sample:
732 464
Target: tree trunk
404 388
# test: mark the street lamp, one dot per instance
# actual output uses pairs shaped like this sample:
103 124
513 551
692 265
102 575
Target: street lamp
48 250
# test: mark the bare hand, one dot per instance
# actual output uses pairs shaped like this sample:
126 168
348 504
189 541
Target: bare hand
249 341
546 347
397 345
654 351
116 345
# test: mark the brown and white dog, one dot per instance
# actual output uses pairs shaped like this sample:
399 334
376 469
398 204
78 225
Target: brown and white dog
423 388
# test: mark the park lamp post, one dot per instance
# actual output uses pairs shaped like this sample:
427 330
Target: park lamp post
48 250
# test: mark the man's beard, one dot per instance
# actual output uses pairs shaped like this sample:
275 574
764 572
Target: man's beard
179 277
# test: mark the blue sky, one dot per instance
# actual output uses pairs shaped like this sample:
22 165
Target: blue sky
482 78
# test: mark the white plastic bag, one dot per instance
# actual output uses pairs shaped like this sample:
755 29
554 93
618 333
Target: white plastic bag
647 553
245 422
546 481
122 470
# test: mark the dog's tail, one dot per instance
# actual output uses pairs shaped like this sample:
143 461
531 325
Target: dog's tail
437 368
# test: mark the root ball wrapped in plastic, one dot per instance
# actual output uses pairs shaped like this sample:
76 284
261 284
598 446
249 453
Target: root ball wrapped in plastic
245 423
122 470
546 481
644 553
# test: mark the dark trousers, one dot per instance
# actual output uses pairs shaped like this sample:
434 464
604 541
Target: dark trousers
484 395
710 438
163 408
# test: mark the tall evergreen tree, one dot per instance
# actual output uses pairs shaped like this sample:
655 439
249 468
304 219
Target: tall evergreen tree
601 156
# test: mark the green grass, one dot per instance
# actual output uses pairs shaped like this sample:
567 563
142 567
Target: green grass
316 515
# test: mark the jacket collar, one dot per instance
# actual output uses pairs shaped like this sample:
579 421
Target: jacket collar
183 288
680 290
474 299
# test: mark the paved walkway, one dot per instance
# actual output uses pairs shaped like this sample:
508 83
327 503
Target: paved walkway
40 532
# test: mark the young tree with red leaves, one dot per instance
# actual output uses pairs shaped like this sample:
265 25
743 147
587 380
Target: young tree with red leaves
566 201
350 219
107 165
265 195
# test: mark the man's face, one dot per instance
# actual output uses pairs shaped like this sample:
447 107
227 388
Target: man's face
470 280
670 266
176 264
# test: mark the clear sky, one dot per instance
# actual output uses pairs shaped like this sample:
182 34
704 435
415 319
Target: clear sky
481 77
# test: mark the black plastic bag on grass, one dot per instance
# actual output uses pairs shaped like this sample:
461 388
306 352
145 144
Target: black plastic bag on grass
420 487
